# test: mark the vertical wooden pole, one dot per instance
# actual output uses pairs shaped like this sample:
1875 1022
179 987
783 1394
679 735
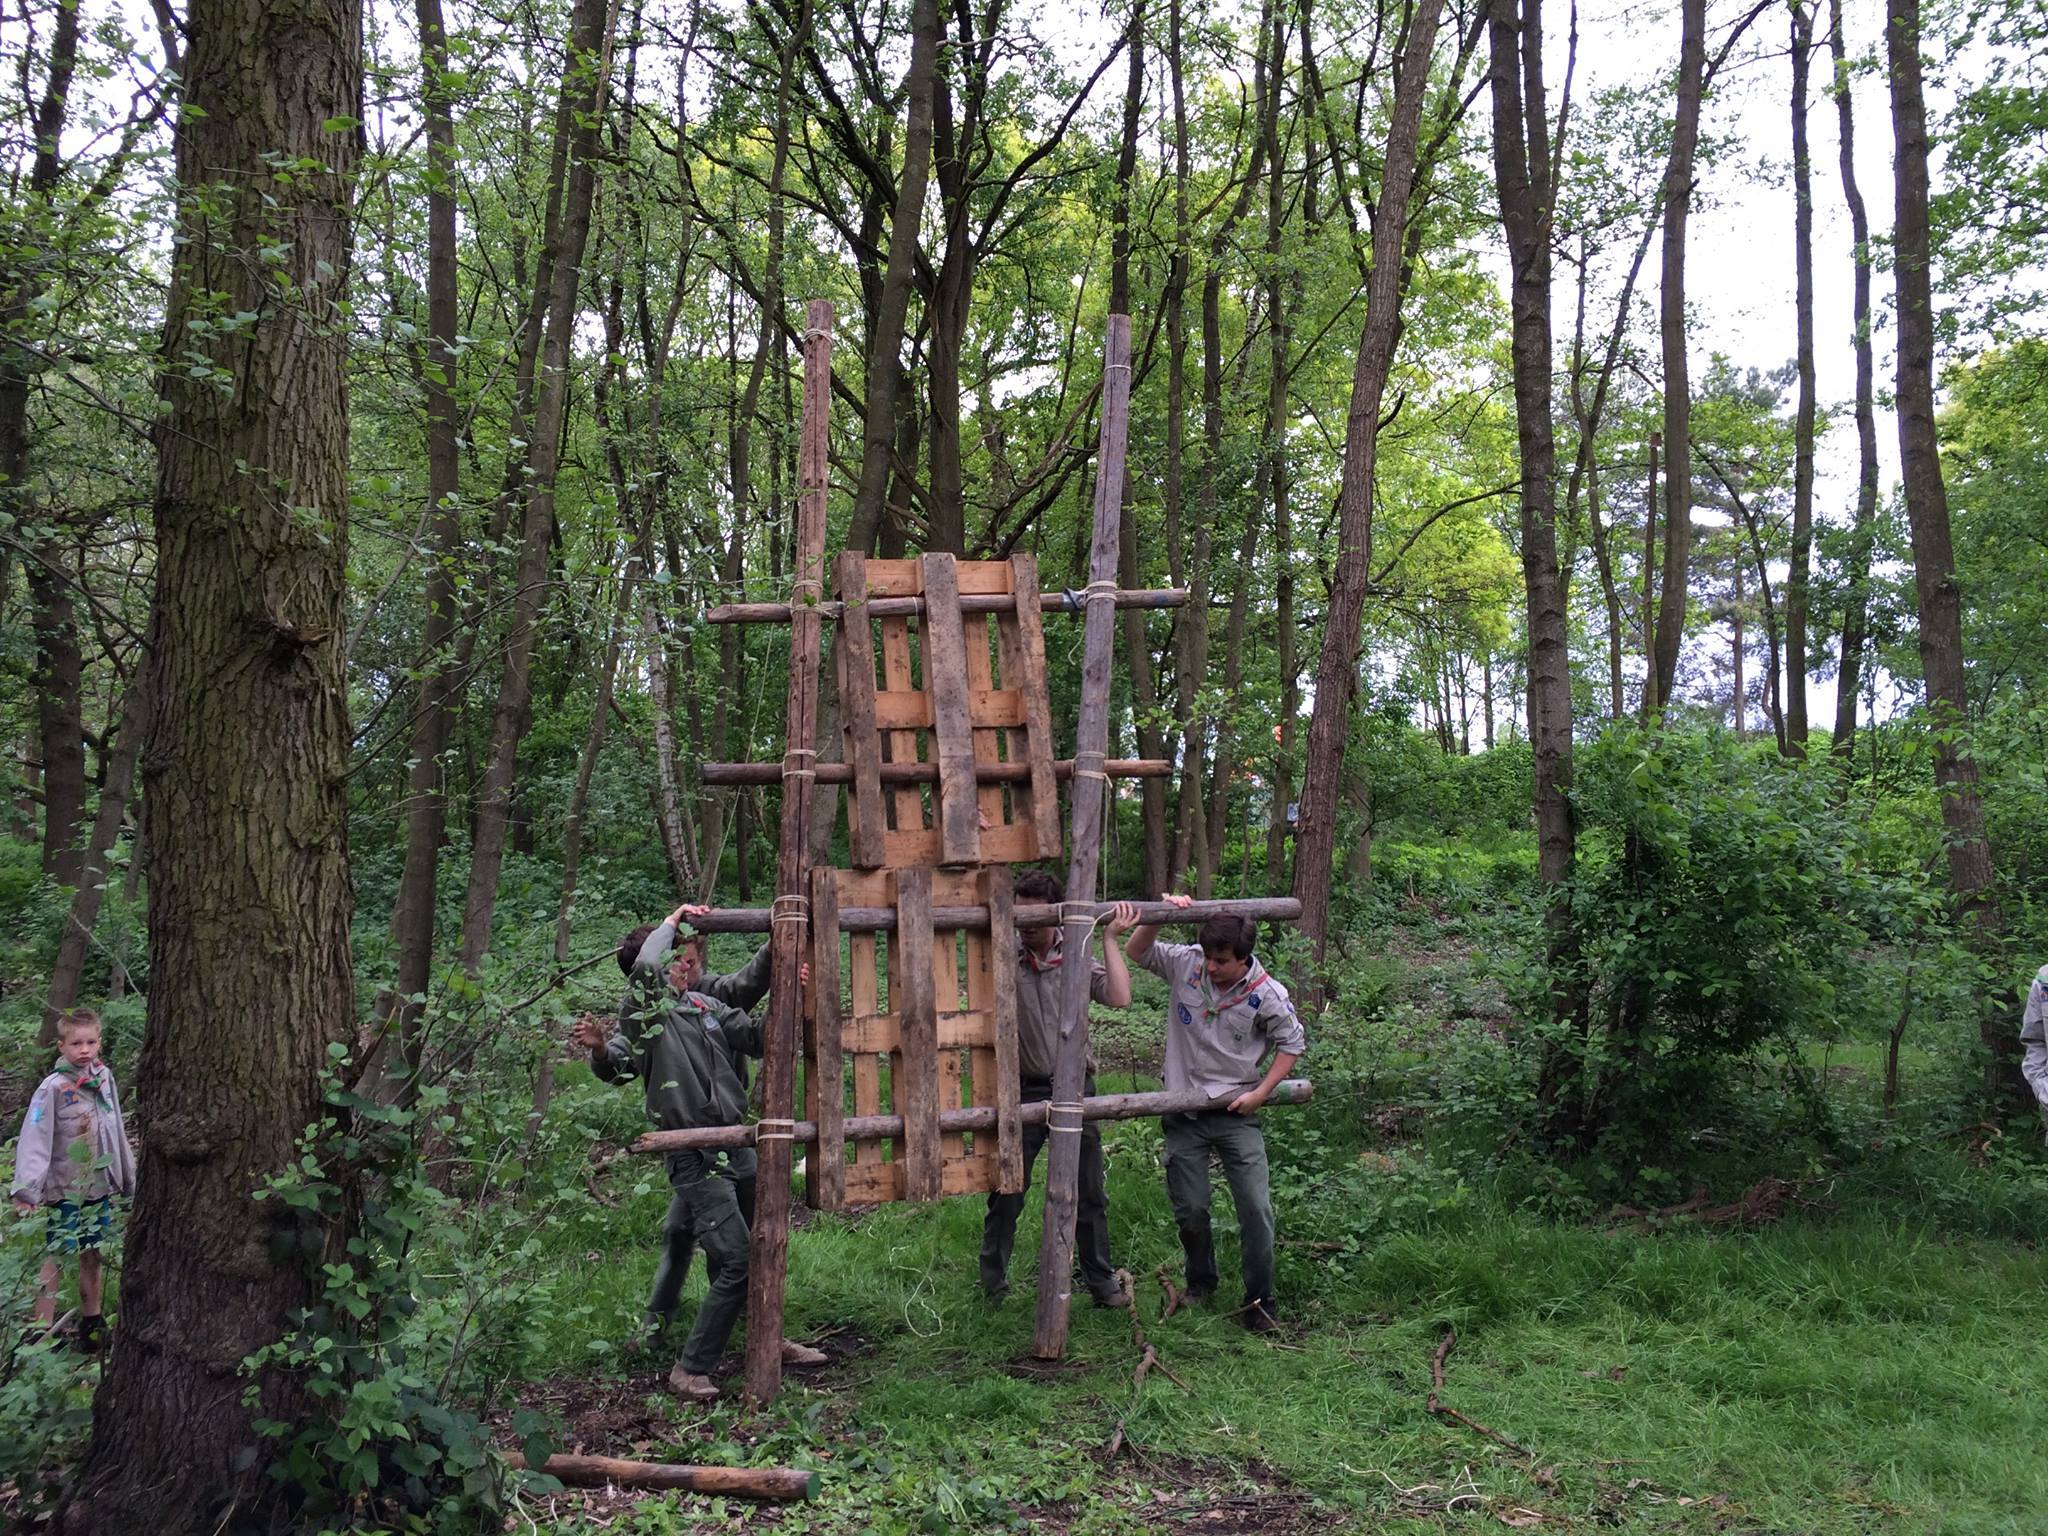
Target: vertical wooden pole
1091 743
788 941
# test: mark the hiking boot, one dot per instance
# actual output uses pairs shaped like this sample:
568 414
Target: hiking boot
692 1388
91 1337
1116 1296
1197 1295
794 1353
1260 1317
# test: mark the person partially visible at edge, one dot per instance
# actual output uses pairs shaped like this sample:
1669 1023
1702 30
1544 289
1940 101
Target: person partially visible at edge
72 1159
2034 1040
687 1049
1040 962
743 989
1225 1017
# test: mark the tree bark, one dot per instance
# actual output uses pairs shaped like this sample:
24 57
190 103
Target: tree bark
1191 631
1337 666
246 807
578 119
426 801
1934 577
1273 447
1522 157
892 305
1856 600
1678 186
1793 734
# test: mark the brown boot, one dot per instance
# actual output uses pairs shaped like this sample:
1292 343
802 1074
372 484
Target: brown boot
692 1388
794 1353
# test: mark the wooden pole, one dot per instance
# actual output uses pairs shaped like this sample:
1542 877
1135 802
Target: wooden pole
982 1117
789 935
610 1471
1030 914
1091 742
969 603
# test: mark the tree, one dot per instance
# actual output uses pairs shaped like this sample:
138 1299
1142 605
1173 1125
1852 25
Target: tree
1337 665
246 805
1793 736
1940 600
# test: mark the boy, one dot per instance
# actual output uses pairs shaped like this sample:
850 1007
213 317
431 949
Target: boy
686 1049
73 1157
742 989
1039 973
2034 1040
1224 1012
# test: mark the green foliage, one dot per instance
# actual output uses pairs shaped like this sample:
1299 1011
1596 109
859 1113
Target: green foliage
1726 906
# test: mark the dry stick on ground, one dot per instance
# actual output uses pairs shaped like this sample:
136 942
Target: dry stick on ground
1442 1410
744 1482
1148 1359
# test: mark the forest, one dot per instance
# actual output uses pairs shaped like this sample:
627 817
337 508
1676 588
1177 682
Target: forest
1601 454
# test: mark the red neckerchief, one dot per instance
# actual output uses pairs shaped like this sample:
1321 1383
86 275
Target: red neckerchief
1055 953
1239 989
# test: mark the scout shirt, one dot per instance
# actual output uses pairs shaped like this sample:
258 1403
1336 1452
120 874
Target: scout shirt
1216 1043
685 1047
2034 1039
74 1144
1040 987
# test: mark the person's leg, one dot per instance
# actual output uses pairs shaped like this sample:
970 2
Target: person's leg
999 1226
673 1267
1241 1147
715 1217
1187 1189
46 1292
742 1164
1091 1225
89 1283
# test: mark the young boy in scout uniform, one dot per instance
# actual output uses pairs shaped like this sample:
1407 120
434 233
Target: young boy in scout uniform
1224 1016
1040 963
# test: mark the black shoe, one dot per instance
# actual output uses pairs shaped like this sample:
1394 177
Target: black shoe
995 1295
91 1336
1260 1317
1115 1297
1197 1295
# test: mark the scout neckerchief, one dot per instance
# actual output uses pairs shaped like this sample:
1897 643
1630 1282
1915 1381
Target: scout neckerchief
1214 1004
92 1080
1055 952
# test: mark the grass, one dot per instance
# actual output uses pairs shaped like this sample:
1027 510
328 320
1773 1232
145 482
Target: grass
1824 1375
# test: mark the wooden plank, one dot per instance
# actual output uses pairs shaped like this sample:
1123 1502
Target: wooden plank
973 599
984 578
991 709
1091 741
876 1183
1002 928
866 993
942 633
949 994
895 578
767 1269
908 800
1012 844
1030 681
956 1029
825 1168
865 817
910 992
991 745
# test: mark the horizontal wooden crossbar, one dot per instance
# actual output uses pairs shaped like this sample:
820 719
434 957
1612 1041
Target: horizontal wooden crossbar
1264 909
1101 1106
928 773
970 602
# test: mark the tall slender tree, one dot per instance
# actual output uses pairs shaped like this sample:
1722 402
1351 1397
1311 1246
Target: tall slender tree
1934 572
1798 577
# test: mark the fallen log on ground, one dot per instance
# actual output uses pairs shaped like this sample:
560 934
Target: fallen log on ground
743 1482
1101 1106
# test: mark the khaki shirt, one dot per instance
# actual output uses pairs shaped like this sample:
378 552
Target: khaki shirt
1218 1043
1039 983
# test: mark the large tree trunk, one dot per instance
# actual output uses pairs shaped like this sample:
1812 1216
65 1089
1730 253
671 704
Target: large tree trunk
1793 736
1934 576
1685 133
1274 452
426 800
1522 158
892 306
577 121
1191 630
1337 666
1856 599
246 809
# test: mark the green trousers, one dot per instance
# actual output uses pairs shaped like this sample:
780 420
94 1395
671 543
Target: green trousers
1237 1143
721 1232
